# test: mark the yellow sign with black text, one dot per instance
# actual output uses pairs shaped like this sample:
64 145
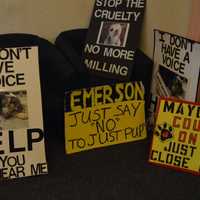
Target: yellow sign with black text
176 139
104 115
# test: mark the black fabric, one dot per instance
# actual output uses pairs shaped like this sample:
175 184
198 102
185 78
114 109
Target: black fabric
113 173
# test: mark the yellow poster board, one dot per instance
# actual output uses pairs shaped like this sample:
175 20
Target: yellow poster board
176 138
104 115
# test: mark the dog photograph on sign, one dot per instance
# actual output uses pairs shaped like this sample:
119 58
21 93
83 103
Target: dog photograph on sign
172 83
113 34
13 110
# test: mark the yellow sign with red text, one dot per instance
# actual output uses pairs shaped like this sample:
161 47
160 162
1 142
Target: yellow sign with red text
176 139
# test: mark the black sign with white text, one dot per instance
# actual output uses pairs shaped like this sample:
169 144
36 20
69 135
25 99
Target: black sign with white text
113 37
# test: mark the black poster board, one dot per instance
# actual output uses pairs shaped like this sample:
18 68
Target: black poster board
113 37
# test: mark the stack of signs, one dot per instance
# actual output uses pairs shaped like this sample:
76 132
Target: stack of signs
113 37
22 151
104 115
176 68
176 139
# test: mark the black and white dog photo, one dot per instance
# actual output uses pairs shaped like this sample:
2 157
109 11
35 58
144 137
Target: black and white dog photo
11 106
114 35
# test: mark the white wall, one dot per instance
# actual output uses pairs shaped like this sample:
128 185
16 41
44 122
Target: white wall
167 15
48 18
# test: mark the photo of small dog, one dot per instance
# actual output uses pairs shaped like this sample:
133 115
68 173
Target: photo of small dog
178 86
113 34
175 85
13 109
